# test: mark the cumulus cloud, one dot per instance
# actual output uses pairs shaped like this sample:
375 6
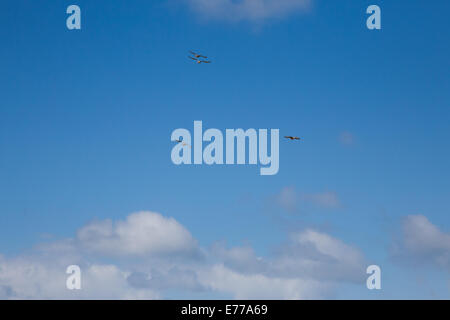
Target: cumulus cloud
292 201
31 277
149 254
247 10
423 242
242 259
142 233
309 254
320 256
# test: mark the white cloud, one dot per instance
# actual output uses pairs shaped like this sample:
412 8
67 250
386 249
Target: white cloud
143 233
328 246
37 278
261 286
308 255
149 254
243 259
249 10
321 256
423 242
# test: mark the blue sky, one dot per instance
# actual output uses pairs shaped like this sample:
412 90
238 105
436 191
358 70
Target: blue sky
86 118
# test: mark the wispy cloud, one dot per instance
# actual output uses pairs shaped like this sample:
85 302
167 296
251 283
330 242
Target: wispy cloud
247 10
293 201
346 138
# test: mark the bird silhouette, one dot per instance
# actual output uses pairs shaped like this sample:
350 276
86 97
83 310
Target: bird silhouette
183 143
198 55
198 60
292 138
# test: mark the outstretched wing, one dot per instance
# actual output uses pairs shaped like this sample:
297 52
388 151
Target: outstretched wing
292 138
205 61
198 55
195 59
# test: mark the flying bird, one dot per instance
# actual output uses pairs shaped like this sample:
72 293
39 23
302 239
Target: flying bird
197 55
198 60
292 138
183 143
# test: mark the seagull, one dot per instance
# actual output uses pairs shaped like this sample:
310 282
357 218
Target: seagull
197 55
181 141
198 60
292 138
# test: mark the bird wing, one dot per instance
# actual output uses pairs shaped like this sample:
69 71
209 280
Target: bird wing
205 61
198 55
192 58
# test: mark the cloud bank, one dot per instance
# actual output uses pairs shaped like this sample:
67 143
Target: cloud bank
147 254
